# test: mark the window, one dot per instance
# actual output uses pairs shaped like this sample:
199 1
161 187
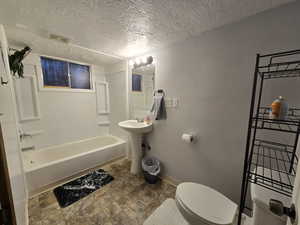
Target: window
136 82
63 74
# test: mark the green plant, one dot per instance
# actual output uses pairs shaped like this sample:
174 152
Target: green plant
15 61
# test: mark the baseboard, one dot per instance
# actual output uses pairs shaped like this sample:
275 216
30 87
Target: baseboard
26 212
170 180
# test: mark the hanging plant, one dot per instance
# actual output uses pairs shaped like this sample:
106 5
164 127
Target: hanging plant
15 61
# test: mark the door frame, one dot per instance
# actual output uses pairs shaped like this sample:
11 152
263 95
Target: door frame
6 199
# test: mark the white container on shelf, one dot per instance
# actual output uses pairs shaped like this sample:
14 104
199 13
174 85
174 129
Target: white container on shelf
261 197
279 109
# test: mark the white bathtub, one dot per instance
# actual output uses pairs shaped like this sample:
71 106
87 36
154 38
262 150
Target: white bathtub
49 165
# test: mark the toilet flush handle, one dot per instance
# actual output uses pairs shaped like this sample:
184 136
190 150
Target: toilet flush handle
279 209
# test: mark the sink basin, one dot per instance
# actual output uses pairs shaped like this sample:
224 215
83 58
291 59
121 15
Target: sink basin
136 130
135 126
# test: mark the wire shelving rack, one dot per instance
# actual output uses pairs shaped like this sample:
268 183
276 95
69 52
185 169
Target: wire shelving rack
270 164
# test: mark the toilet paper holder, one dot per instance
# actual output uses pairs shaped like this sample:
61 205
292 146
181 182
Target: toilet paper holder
188 137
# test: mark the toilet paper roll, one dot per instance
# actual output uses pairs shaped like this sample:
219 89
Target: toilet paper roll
188 138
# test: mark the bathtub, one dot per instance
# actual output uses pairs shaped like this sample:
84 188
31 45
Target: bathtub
50 165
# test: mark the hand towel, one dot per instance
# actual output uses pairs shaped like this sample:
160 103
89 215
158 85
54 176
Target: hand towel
158 108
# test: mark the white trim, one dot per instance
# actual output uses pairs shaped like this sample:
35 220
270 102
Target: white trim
26 208
98 52
27 147
34 132
4 53
21 173
107 104
128 90
104 123
36 104
39 73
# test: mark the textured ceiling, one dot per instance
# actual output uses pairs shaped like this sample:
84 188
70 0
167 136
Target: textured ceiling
125 27
18 38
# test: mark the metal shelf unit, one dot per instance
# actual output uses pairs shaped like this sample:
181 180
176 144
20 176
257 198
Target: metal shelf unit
289 124
270 164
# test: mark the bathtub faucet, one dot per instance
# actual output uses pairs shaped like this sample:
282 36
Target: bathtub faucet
24 135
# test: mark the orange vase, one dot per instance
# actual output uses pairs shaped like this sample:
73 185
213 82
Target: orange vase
276 105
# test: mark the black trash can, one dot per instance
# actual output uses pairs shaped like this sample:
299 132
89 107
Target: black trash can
151 169
150 179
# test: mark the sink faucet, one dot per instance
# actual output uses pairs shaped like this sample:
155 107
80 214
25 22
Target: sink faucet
139 120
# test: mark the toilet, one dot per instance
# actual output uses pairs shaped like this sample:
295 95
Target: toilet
202 205
197 204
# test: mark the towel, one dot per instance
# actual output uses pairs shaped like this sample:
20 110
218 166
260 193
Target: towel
158 108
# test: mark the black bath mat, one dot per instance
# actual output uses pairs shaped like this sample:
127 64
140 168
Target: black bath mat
77 189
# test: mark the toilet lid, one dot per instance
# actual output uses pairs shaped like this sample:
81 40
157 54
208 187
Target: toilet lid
206 203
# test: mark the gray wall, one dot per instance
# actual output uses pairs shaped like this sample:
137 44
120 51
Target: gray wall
212 77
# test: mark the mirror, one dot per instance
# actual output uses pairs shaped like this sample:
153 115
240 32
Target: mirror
141 91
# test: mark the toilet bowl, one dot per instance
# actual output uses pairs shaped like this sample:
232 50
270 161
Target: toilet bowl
202 205
195 204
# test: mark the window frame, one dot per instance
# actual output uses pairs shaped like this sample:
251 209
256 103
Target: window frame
40 76
141 84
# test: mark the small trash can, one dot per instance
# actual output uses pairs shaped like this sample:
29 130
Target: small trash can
151 169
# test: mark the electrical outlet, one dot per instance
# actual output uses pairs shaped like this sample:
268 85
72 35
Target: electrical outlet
168 102
171 102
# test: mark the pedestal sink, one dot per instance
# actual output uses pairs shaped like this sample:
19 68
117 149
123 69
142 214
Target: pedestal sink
136 130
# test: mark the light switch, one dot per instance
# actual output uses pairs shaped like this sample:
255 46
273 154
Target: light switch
171 102
175 102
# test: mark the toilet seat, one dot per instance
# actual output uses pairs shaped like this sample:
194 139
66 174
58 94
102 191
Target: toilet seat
201 203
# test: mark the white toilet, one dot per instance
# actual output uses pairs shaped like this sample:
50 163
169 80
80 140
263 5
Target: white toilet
203 205
197 204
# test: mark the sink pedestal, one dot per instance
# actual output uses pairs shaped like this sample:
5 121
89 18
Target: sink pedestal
136 130
136 153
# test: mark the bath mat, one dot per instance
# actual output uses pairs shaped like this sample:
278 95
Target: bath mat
77 189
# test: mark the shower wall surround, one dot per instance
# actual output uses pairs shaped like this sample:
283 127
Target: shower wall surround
212 77
116 76
64 116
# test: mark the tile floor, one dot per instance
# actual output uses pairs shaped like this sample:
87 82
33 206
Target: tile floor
127 200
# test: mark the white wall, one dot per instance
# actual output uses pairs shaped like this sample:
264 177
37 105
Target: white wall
212 77
65 116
